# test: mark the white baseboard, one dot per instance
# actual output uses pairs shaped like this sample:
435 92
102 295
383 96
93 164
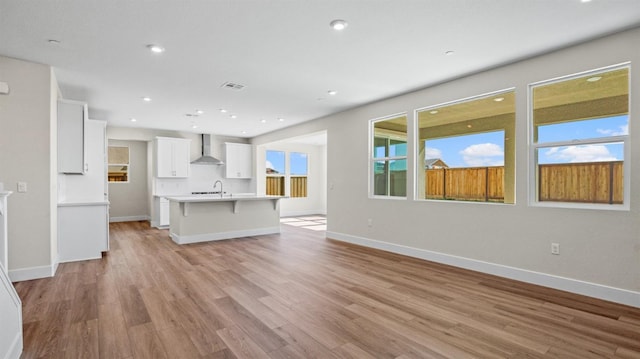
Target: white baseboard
128 219
22 274
599 291
301 213
224 235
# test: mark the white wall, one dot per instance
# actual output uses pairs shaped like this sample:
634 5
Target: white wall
600 249
28 153
316 200
128 200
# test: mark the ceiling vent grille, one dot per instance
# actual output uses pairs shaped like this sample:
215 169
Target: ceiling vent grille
232 86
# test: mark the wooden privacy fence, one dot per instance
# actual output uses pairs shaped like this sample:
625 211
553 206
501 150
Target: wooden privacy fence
466 184
591 182
588 182
298 187
275 186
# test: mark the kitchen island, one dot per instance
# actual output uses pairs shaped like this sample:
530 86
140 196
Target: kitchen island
202 218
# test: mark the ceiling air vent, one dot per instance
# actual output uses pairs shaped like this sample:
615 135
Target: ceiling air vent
232 86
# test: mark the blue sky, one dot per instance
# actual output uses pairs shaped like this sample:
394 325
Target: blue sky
487 149
297 162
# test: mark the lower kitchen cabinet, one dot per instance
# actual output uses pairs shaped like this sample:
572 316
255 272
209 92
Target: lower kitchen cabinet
160 217
83 231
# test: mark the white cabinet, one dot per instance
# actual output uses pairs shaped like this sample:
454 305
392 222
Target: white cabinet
238 160
172 157
164 212
92 187
71 122
83 231
161 212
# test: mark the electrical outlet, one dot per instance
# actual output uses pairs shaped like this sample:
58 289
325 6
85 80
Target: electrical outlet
369 222
555 248
22 187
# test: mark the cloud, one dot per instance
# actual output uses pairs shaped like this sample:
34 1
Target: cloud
622 131
483 154
583 153
430 152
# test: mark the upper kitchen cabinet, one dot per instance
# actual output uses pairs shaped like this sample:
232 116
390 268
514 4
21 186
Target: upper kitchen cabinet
71 122
238 160
172 157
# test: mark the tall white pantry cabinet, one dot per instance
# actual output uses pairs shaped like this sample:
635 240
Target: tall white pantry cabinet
83 208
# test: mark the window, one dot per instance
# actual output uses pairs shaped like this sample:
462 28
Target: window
118 164
466 150
388 174
580 138
275 171
298 174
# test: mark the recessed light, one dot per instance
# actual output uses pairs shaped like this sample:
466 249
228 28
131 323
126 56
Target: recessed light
146 99
281 119
433 112
594 78
194 126
234 116
332 92
585 1
498 99
338 25
223 110
263 121
244 132
199 112
156 49
54 41
449 53
469 126
133 120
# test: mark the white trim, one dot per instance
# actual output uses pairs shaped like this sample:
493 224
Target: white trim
22 274
306 212
15 351
128 219
81 259
206 237
599 291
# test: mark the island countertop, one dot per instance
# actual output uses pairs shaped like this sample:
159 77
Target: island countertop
225 198
200 218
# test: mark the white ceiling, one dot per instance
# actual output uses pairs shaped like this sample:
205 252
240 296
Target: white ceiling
283 51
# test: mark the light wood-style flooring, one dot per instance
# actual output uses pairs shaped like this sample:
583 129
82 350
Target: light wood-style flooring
299 295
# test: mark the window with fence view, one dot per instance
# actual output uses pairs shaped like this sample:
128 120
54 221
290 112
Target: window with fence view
275 171
466 150
580 135
298 174
389 157
277 175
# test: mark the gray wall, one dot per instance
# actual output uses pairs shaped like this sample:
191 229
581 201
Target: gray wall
128 201
600 249
28 153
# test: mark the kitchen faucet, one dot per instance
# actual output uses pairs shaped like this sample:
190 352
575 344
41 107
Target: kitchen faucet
215 184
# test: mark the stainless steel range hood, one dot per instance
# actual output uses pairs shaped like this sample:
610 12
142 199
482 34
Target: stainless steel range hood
207 153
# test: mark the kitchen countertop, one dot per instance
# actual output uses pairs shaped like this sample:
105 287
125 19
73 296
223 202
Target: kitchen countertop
216 198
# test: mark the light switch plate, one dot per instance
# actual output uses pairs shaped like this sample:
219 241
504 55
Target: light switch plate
22 187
